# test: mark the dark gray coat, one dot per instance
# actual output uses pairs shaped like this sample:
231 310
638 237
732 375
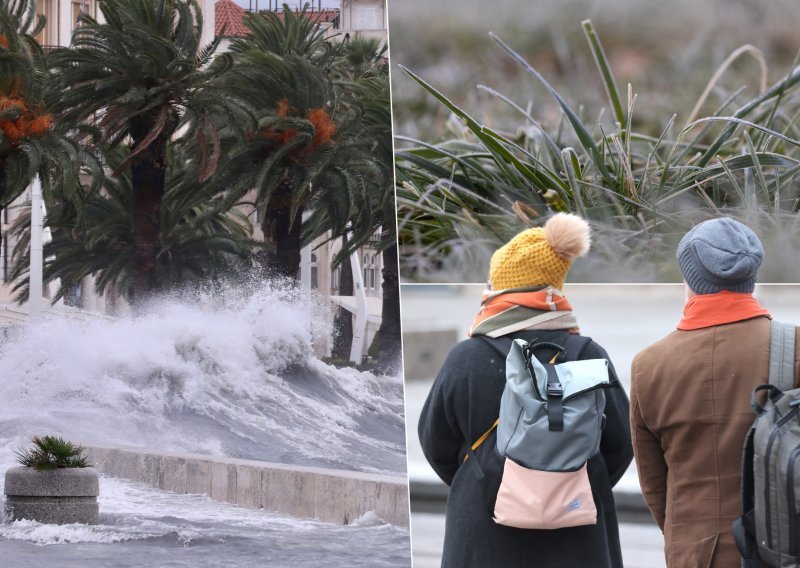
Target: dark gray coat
463 403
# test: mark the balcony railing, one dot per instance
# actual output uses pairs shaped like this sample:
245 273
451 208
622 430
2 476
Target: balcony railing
257 6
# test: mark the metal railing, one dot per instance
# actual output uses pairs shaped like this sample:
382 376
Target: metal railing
256 6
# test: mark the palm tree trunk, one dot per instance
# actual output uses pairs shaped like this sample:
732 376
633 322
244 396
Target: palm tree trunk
148 177
343 340
283 233
2 194
390 353
4 275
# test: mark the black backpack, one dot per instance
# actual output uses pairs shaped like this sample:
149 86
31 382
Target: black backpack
768 533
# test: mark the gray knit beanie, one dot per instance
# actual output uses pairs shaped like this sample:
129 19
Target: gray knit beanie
720 254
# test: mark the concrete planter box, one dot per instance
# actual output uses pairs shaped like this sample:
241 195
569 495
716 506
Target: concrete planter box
58 496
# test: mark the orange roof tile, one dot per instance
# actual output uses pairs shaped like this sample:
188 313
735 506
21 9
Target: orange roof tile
229 19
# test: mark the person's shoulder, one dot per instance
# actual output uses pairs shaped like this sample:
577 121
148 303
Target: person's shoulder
661 348
467 346
470 350
469 360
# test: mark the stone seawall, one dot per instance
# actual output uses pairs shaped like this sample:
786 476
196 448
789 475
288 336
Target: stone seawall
334 496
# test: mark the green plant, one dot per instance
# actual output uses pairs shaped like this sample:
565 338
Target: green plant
139 78
50 452
461 198
32 142
202 238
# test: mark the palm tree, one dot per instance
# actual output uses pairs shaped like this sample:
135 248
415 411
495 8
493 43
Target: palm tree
142 76
202 239
284 69
323 145
358 203
31 142
363 57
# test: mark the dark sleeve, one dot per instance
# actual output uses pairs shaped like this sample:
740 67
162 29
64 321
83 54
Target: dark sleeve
615 443
440 424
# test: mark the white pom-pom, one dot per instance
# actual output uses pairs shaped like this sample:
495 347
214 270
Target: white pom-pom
568 235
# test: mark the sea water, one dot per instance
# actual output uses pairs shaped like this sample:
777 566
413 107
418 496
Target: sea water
234 377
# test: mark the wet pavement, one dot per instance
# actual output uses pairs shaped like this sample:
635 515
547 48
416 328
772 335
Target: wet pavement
642 545
144 527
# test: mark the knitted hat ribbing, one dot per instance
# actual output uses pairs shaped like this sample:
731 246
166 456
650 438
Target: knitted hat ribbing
540 256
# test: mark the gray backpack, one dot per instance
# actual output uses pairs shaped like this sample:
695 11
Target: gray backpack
768 533
550 424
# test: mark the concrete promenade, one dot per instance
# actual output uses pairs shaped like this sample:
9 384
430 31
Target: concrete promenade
333 496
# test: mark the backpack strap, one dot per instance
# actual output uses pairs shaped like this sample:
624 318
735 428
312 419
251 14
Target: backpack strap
574 346
781 355
500 344
481 440
555 400
744 527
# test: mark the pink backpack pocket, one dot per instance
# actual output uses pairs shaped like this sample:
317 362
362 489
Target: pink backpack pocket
535 499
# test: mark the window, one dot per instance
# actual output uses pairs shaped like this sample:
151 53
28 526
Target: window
49 35
78 8
336 275
370 272
73 296
4 260
314 272
366 18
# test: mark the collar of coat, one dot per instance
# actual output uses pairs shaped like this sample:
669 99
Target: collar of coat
517 309
707 310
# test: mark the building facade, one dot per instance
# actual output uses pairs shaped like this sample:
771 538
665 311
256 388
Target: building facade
62 18
353 18
364 18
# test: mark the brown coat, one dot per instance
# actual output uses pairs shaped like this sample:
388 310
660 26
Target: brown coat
690 411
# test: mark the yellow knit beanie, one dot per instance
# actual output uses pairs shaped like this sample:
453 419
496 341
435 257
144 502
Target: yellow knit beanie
540 256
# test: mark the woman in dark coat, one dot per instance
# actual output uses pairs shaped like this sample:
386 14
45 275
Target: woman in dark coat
528 273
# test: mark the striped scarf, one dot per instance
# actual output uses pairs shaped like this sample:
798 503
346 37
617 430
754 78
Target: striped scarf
517 309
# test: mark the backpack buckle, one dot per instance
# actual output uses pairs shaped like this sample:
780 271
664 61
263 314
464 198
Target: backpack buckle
555 390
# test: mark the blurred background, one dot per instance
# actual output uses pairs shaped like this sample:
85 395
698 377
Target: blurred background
667 50
435 317
463 190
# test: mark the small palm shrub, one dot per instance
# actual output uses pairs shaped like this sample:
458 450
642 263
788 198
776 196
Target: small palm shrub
459 199
50 452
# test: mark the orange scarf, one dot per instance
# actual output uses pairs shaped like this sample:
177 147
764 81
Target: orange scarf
708 310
